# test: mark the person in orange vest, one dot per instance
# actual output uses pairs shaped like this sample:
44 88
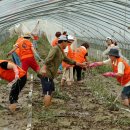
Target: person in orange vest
68 69
80 56
27 54
55 41
121 71
16 78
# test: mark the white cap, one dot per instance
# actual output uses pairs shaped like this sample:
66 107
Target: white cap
63 38
108 38
70 38
27 35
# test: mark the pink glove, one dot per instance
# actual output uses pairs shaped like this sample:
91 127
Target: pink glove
95 64
109 74
59 72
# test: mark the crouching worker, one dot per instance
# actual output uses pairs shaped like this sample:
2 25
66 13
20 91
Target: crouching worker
50 68
121 71
16 78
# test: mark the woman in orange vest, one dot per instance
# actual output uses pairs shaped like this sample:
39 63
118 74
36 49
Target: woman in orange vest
16 78
121 71
80 56
68 69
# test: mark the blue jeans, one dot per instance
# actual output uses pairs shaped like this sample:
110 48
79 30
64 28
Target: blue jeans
16 59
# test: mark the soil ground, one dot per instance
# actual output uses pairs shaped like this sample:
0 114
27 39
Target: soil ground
74 108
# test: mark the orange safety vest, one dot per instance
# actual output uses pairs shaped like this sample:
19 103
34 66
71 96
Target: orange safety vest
79 55
70 55
9 74
25 50
126 76
17 42
54 42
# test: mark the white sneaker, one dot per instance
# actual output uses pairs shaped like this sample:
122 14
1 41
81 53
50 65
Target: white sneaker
81 81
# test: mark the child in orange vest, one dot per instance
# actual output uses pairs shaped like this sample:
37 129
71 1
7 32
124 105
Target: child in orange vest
121 71
16 78
80 56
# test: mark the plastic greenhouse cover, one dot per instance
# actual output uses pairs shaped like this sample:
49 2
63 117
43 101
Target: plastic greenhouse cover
87 19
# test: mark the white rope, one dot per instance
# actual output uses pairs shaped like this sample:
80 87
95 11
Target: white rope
29 118
128 110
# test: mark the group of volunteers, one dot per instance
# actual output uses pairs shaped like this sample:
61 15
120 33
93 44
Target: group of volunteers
61 54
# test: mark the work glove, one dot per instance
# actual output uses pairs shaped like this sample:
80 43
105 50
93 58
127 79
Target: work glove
92 65
109 74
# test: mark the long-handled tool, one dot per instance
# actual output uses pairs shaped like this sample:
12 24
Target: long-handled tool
113 106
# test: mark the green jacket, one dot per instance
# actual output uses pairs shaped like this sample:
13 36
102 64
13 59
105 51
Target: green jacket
54 59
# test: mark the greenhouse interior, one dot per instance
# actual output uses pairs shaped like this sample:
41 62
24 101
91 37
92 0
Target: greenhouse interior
65 64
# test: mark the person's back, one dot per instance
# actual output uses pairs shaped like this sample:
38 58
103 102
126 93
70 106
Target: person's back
27 54
25 50
80 54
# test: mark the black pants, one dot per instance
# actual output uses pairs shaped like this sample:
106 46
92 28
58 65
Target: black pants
78 69
16 89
